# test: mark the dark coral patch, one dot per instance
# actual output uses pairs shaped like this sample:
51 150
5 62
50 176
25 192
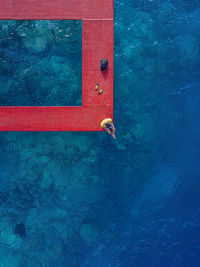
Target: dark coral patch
20 229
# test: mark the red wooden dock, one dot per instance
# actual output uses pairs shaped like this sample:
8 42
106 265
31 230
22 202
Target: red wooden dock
97 43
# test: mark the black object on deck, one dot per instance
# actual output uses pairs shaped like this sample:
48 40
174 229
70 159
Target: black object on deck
104 64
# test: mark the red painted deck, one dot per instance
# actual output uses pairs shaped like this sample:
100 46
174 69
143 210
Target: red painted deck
97 43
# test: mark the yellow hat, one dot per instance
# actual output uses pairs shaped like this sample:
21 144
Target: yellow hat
103 123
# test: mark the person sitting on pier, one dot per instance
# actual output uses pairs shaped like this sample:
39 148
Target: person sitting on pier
108 126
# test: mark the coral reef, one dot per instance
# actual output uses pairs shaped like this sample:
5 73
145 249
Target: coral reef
38 64
89 233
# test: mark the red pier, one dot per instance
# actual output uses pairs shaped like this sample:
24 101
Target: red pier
97 43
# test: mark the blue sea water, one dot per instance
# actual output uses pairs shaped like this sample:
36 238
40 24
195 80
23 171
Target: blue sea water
40 63
82 199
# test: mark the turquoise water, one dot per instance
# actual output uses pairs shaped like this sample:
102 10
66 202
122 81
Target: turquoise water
41 63
83 199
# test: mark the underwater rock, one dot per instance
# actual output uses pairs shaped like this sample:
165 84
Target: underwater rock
20 229
82 142
58 142
89 233
43 160
137 46
166 11
57 64
132 49
35 36
52 174
162 66
8 259
5 85
161 184
120 33
7 236
27 153
65 232
149 66
46 180
41 76
144 129
6 66
38 44
141 28
188 45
